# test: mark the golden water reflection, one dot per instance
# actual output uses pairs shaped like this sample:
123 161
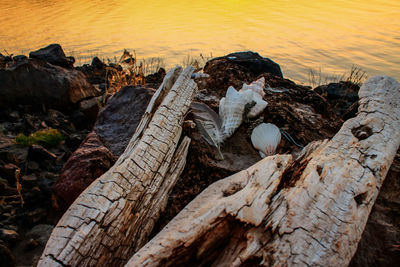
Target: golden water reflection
330 35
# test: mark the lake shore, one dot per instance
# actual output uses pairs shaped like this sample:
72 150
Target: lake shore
77 121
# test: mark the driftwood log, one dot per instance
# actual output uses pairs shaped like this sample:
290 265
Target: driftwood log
113 217
308 211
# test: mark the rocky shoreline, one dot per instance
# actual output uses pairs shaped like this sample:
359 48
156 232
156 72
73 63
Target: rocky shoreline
45 91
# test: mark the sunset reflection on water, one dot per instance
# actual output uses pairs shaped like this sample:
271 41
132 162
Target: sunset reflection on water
299 35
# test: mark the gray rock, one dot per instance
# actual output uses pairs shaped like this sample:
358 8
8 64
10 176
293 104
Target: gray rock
251 61
40 233
117 122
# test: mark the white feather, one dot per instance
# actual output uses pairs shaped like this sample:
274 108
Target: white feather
265 138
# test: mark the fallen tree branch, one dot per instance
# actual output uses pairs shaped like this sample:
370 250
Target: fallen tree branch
308 211
114 216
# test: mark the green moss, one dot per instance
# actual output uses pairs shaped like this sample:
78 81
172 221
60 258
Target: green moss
49 137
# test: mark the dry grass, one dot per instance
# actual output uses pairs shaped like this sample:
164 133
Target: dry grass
128 71
196 62
356 75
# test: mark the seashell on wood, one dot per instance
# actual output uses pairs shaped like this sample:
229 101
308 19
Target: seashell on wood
256 86
266 137
231 109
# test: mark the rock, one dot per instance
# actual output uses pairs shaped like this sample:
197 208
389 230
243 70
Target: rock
39 153
34 81
42 156
20 58
341 96
97 63
91 107
8 171
236 68
6 256
157 77
33 166
86 164
31 244
53 54
117 122
9 236
36 215
40 233
14 154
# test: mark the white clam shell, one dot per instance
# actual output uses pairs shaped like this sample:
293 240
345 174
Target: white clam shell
266 137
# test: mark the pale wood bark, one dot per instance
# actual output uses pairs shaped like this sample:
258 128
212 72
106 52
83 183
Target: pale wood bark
114 216
308 211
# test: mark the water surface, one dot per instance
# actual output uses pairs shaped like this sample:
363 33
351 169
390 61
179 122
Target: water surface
300 35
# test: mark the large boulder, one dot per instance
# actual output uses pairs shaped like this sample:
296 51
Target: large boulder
35 81
117 122
236 68
53 54
86 164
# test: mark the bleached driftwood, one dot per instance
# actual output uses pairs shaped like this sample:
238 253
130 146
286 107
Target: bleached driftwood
310 211
113 217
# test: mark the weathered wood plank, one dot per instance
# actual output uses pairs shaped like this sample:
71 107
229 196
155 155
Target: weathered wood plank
113 217
310 211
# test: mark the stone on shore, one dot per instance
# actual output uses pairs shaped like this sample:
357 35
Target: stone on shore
53 54
86 164
117 122
33 81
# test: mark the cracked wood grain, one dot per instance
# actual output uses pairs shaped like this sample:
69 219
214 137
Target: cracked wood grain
315 218
114 216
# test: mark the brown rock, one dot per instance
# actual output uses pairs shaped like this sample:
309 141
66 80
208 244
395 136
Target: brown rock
86 164
35 81
6 256
53 54
8 171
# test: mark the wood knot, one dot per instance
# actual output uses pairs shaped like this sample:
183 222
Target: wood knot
362 132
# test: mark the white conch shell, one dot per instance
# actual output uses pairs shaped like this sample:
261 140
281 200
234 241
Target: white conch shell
231 108
256 86
257 89
258 107
266 137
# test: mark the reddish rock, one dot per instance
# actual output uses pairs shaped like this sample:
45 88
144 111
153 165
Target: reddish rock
86 164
